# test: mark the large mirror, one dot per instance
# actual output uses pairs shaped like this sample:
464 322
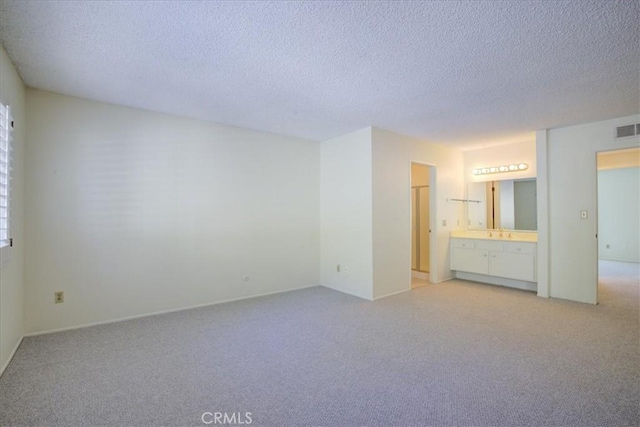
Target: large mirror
509 204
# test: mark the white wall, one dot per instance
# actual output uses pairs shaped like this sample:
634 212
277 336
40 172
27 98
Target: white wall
542 193
131 212
11 273
392 157
478 210
571 185
346 217
619 214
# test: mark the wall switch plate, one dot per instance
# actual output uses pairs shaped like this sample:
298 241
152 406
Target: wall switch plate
583 214
246 278
444 222
338 268
58 297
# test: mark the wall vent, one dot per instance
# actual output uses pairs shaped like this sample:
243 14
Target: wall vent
627 130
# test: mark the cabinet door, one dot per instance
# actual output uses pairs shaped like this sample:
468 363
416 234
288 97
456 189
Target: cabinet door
470 260
512 265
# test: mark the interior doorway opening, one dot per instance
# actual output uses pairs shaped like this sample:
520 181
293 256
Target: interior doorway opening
420 224
618 210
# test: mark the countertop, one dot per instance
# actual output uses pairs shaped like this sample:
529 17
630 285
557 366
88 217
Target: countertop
507 235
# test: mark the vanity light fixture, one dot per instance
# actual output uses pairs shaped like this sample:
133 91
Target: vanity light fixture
504 168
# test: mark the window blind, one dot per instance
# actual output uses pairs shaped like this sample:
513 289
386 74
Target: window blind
5 173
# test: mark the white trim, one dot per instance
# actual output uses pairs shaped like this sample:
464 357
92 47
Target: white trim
5 255
5 123
433 225
4 367
353 294
156 313
446 279
498 281
392 293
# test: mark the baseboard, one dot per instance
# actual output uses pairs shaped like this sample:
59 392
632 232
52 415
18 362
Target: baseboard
348 293
498 281
157 313
10 357
392 293
446 279
631 261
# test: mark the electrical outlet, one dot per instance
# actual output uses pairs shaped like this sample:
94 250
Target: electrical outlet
58 297
444 222
583 214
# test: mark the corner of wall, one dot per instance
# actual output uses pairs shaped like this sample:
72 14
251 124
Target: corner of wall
346 214
12 92
572 188
392 157
542 183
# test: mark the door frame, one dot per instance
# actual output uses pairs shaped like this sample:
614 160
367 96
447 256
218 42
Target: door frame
597 213
433 230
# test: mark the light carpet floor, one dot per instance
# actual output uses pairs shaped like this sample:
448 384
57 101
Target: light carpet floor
456 353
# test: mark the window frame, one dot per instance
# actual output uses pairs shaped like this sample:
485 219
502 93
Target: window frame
6 138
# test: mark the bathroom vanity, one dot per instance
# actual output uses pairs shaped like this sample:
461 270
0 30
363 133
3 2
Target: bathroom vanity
506 258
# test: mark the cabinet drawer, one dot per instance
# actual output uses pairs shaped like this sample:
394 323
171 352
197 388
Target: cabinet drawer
463 243
520 248
490 245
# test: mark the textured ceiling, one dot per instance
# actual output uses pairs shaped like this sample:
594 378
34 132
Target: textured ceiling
467 73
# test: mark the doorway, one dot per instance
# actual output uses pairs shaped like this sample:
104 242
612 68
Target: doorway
618 210
420 224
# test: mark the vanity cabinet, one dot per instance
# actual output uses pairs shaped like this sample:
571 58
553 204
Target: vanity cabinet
465 257
510 260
